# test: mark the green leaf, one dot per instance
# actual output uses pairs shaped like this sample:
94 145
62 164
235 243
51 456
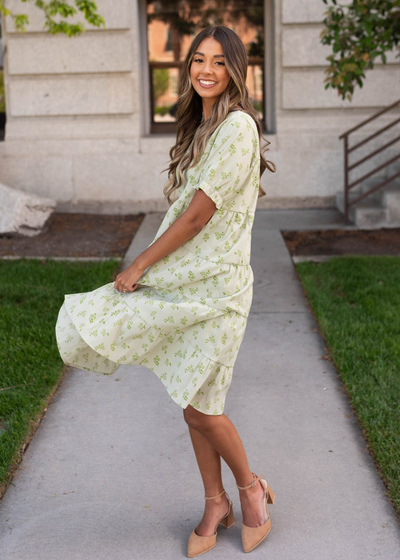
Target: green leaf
357 33
61 8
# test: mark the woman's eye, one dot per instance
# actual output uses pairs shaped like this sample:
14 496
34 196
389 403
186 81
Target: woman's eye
199 60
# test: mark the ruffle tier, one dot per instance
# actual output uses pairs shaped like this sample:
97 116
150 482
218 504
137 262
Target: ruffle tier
183 275
98 331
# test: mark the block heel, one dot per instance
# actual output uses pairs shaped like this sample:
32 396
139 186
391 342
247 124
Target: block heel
229 520
271 495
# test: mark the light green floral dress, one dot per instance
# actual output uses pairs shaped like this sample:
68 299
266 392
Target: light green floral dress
186 319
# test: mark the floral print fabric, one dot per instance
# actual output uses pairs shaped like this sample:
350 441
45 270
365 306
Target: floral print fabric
186 319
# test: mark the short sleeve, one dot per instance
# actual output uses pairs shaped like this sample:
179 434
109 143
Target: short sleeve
230 159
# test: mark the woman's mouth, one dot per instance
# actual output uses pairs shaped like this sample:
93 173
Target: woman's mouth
207 83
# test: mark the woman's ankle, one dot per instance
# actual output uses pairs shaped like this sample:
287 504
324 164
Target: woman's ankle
217 501
246 480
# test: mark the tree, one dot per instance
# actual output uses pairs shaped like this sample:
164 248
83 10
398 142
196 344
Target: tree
55 8
359 32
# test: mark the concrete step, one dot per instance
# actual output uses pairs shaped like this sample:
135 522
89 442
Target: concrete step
366 214
387 197
370 215
388 194
380 208
391 201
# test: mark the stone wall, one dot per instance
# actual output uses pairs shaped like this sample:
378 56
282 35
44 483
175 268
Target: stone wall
307 150
75 128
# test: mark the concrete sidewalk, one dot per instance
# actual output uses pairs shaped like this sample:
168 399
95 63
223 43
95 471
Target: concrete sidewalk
111 473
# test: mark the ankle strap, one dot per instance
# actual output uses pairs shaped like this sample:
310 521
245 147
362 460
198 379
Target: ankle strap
212 497
252 484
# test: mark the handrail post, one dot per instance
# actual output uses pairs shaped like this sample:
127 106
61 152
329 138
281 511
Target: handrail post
346 178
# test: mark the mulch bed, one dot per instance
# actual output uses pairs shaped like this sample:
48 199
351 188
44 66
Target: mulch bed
385 241
76 235
109 235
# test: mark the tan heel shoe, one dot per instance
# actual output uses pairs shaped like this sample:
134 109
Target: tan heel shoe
252 536
199 544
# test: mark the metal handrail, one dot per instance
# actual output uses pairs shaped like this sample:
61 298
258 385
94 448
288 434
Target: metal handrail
347 150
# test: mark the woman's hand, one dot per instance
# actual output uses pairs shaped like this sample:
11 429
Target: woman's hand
127 281
186 226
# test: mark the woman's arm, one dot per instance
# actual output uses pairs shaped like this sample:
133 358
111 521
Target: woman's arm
196 215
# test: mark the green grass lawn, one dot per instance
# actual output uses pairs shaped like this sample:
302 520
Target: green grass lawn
356 301
31 294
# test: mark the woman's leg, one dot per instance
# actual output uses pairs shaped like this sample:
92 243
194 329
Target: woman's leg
218 435
209 462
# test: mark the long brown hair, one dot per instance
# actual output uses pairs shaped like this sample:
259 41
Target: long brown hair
190 107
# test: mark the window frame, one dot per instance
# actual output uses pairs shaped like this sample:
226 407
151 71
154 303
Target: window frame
150 128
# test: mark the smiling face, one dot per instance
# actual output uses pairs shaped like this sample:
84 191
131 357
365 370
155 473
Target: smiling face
208 72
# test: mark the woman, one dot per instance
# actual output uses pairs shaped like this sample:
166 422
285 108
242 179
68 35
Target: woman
181 307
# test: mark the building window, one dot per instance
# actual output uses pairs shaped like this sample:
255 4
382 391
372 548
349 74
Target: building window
171 27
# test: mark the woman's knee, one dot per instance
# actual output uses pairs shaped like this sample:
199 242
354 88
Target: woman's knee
195 419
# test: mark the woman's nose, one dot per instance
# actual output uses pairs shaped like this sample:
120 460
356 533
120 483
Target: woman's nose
207 68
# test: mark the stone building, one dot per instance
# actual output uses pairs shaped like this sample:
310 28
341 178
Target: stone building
89 119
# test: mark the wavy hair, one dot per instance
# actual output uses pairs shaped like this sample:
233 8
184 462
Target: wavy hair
191 130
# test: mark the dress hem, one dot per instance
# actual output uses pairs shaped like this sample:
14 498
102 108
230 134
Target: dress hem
209 367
